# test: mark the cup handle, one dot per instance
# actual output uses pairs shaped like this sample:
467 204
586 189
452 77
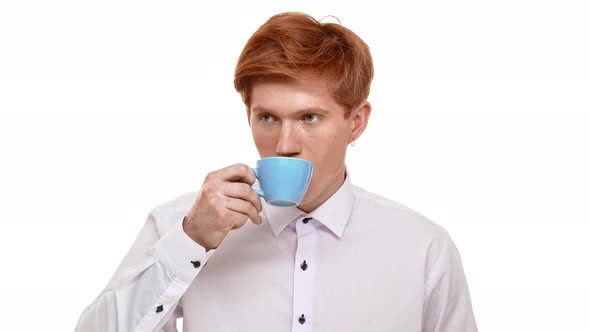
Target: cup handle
259 192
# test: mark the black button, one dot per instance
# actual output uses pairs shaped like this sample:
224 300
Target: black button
302 319
304 266
159 309
305 220
196 264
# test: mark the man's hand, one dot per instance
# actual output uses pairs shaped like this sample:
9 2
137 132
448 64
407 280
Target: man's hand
226 201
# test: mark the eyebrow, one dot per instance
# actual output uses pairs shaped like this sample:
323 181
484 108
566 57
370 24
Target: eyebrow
307 110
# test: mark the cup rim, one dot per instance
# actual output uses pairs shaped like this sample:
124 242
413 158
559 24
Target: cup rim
279 157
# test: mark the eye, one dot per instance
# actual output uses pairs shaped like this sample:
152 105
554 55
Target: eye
266 118
310 117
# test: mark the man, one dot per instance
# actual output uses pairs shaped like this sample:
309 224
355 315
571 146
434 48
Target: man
344 259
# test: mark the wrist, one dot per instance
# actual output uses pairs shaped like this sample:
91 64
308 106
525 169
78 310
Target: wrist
190 231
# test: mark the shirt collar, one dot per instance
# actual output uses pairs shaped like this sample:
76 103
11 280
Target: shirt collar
333 213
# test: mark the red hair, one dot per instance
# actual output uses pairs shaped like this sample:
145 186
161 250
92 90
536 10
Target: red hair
295 45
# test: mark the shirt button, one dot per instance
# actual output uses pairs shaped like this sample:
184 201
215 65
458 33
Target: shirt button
196 264
159 309
302 319
305 220
304 266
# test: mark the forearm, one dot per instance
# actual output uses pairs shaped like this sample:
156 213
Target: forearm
144 302
145 290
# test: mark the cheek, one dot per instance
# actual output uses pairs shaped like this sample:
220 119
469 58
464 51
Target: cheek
265 143
329 147
328 155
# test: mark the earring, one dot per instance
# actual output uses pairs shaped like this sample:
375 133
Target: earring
352 143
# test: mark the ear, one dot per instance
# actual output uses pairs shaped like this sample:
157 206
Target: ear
360 118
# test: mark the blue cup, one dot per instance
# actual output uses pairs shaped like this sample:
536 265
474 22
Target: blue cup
283 180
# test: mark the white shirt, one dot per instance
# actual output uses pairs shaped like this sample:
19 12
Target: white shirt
361 263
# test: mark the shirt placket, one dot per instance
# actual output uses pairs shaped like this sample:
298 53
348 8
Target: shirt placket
304 272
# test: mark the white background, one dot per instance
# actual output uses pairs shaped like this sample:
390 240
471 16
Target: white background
480 122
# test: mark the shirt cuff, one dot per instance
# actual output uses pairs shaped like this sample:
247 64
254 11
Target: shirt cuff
180 254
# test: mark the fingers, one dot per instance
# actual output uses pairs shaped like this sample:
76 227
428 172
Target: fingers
234 173
242 191
245 208
226 201
232 185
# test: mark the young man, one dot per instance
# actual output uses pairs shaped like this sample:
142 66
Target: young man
343 260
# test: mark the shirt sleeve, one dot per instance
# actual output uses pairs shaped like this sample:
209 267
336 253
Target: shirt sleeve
144 292
447 303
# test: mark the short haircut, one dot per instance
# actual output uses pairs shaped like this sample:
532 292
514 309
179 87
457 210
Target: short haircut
294 45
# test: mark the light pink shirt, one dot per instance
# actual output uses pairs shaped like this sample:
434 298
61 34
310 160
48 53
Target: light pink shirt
361 263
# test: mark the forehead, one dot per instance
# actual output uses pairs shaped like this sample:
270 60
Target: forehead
288 95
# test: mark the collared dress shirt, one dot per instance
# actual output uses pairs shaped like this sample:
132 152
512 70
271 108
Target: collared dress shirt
359 262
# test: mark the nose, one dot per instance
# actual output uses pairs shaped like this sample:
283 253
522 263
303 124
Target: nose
288 144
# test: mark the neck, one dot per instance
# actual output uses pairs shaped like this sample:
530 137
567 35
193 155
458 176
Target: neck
330 189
